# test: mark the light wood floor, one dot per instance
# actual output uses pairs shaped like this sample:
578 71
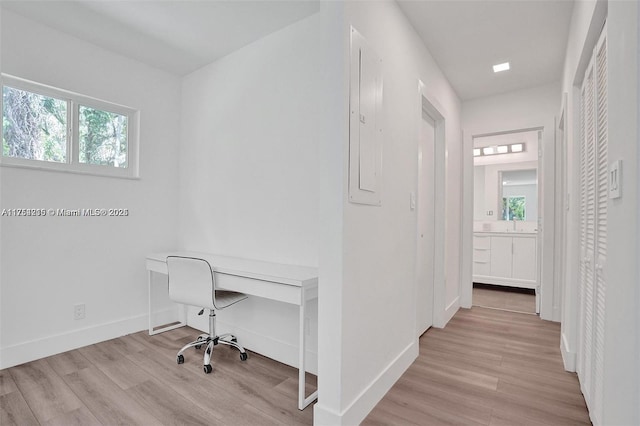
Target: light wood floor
510 299
486 367
134 380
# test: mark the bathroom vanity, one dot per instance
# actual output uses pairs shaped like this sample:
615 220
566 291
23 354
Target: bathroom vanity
505 258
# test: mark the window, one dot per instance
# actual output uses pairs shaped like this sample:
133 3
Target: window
513 208
49 128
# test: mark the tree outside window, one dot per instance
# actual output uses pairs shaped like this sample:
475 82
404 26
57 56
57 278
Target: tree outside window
513 208
50 128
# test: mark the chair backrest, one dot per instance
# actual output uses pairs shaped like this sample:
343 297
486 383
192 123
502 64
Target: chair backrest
191 281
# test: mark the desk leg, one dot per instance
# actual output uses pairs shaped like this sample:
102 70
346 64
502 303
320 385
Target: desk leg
149 306
302 401
182 313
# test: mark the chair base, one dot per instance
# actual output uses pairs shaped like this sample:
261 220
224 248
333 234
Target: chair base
210 340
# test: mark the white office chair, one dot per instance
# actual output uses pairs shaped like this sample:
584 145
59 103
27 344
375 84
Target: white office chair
192 282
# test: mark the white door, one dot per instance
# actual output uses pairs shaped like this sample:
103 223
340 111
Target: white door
426 222
593 228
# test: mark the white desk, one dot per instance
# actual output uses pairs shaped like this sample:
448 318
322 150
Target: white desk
285 283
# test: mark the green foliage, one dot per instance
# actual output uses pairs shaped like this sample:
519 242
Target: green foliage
103 137
513 208
33 126
5 145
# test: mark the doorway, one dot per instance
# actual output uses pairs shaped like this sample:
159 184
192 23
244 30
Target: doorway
425 249
431 256
506 248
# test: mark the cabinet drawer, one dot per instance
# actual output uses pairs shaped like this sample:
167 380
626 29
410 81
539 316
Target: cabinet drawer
481 255
480 268
481 242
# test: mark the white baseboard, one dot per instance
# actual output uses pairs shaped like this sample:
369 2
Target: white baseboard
568 357
55 344
448 313
51 345
356 412
165 316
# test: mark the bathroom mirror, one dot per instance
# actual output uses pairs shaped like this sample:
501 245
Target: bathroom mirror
506 192
518 198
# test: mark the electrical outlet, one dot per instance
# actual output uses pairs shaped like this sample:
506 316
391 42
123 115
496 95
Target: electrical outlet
78 311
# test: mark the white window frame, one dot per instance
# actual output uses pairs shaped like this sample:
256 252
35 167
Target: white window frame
72 163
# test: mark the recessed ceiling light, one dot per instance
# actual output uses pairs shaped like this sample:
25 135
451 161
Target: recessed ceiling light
501 67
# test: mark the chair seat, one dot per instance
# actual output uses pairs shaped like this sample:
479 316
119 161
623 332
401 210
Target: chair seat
226 298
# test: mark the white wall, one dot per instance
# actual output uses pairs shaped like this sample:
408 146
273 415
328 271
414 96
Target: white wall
49 264
621 368
1 238
518 110
638 239
374 291
622 340
479 201
249 178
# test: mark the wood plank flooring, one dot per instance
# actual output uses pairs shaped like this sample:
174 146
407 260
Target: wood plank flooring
486 367
134 380
507 298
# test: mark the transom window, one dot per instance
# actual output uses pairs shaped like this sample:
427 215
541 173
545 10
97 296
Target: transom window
50 128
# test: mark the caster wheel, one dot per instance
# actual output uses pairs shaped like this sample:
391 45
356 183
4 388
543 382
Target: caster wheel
180 359
243 356
199 340
207 369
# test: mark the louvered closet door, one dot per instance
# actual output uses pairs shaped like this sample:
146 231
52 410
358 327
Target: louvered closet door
593 227
602 176
587 231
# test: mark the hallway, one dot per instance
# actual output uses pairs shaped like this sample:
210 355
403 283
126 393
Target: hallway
486 367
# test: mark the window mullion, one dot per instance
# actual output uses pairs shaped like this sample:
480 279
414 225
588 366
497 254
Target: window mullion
74 133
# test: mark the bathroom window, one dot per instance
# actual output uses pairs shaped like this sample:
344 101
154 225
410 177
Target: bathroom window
514 208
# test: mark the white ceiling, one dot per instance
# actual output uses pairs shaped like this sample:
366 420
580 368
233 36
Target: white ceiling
177 36
465 37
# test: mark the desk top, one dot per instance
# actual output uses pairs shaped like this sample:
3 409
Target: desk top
294 275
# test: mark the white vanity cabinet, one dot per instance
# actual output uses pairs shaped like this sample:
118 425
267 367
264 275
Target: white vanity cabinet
481 255
505 259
